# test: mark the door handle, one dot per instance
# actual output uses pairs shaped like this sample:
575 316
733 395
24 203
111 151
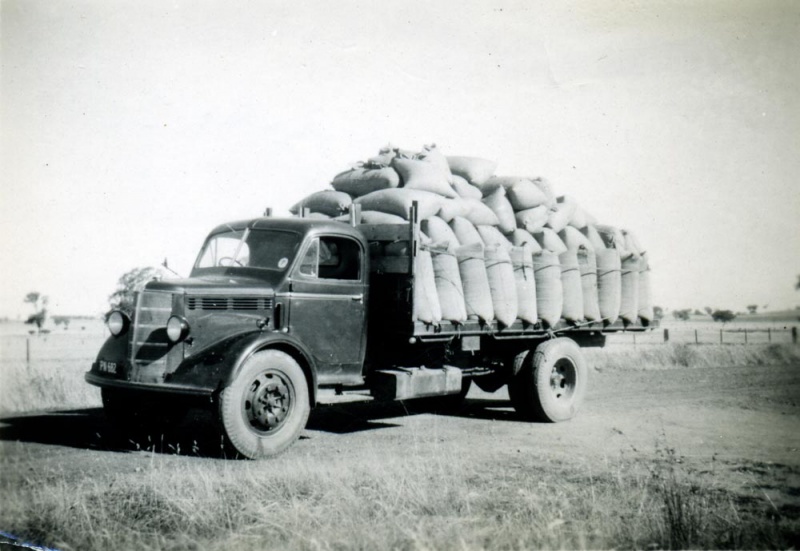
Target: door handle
358 298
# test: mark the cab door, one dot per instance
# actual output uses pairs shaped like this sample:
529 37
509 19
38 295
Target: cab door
328 306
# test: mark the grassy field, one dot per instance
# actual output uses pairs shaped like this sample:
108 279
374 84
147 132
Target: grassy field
438 499
421 491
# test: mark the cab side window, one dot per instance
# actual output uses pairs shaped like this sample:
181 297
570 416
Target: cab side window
332 258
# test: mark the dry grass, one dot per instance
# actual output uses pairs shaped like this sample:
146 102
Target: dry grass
666 356
433 501
431 497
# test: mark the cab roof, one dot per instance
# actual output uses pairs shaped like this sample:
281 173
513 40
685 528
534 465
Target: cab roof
302 226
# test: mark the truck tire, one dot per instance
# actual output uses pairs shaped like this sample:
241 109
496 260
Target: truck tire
266 407
551 382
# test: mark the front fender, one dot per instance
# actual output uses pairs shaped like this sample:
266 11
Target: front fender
278 341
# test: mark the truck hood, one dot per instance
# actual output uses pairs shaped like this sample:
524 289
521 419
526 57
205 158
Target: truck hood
213 284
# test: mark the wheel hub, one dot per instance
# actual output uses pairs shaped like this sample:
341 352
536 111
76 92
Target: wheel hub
268 402
562 380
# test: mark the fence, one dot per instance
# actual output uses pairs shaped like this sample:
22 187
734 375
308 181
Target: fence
742 336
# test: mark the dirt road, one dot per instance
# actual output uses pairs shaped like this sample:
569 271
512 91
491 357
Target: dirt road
737 428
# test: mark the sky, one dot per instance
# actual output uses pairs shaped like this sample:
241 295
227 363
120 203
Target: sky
128 130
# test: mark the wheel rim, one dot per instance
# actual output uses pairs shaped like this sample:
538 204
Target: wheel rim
268 402
562 380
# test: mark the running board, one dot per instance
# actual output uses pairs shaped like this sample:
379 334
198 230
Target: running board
405 383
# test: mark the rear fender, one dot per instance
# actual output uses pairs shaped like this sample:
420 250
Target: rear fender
273 341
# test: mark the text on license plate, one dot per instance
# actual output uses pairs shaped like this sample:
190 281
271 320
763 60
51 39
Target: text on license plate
108 367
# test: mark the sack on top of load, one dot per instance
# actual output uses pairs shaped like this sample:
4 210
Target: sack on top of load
486 225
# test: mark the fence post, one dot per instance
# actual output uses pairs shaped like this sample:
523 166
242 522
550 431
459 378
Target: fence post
769 334
745 335
794 334
666 335
696 340
720 336
27 350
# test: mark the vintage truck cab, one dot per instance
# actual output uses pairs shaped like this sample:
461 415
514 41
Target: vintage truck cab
273 309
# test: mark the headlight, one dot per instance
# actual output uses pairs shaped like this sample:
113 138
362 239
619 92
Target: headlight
177 329
117 323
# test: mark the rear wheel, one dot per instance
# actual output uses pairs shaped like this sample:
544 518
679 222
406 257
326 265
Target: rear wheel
551 381
266 407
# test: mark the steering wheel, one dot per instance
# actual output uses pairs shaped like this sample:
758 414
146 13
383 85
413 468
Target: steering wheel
230 261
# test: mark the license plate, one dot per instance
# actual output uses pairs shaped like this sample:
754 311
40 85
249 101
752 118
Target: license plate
108 367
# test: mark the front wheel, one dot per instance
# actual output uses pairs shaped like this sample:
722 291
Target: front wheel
266 407
551 382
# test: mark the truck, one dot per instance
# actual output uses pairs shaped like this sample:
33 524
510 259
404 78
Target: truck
277 309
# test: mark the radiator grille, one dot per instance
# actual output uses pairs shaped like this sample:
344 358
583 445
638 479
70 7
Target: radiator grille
149 344
228 303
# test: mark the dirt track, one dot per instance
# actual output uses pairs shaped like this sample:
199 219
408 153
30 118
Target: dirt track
739 425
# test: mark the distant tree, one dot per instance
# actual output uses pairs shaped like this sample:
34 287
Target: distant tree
658 312
797 284
752 308
62 320
708 310
682 315
723 315
39 304
128 285
697 313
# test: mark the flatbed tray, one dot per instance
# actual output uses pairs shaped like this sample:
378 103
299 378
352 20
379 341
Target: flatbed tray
518 330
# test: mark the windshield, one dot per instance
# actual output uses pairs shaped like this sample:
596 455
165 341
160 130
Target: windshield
260 249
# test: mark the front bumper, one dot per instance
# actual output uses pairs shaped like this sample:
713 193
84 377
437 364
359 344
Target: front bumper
102 381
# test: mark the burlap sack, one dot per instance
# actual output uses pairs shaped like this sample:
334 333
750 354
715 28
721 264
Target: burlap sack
609 284
549 290
329 202
522 238
522 262
645 293
426 306
362 181
561 214
594 238
501 284
454 207
398 201
492 237
546 188
550 241
439 232
532 220
480 214
473 169
465 231
431 154
526 195
465 189
573 239
422 175
572 309
629 303
376 217
502 208
588 266
448 283
475 282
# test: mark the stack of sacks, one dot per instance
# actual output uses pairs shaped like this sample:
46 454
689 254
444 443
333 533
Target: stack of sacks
602 272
